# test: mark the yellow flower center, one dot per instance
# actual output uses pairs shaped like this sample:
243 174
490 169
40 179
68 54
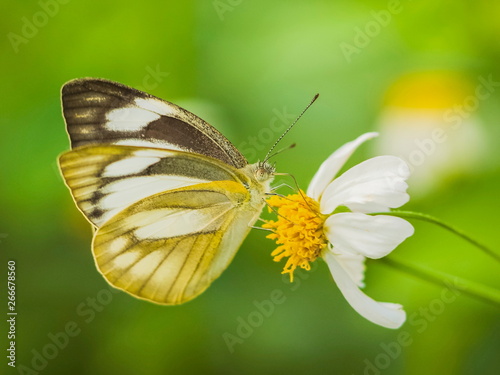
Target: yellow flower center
298 231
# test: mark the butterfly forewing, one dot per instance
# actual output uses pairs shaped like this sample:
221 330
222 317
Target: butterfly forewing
106 179
98 111
170 247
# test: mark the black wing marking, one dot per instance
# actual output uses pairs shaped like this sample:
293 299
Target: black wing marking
98 111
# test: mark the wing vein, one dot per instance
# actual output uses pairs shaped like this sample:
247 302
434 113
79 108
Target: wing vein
157 267
201 259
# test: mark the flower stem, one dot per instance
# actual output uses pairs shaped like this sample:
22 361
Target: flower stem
475 290
433 220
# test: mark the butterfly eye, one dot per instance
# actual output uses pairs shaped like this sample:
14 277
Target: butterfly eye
262 173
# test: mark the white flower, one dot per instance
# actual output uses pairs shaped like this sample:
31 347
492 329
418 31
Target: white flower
429 119
343 238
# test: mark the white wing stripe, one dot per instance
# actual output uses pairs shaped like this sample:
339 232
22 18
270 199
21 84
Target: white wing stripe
167 224
156 106
126 259
129 166
129 119
151 184
144 266
145 143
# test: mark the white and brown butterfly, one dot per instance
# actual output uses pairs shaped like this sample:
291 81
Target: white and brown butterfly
170 198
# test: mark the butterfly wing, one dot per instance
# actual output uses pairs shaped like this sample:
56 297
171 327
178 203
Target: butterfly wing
170 197
168 248
105 179
99 111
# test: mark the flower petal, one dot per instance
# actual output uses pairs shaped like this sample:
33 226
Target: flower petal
374 185
389 315
331 166
370 236
354 265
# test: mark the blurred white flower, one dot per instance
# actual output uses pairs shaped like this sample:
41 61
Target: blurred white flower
429 120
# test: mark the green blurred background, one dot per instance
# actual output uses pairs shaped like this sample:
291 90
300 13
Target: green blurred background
247 67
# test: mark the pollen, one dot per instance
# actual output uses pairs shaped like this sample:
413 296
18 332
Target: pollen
298 231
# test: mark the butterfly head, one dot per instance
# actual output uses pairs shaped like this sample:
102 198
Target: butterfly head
264 171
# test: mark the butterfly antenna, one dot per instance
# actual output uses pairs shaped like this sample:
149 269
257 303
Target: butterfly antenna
290 127
280 151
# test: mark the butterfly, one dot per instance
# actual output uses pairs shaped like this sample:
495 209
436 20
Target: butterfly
170 198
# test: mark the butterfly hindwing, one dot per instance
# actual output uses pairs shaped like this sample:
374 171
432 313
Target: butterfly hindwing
98 111
106 179
168 248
